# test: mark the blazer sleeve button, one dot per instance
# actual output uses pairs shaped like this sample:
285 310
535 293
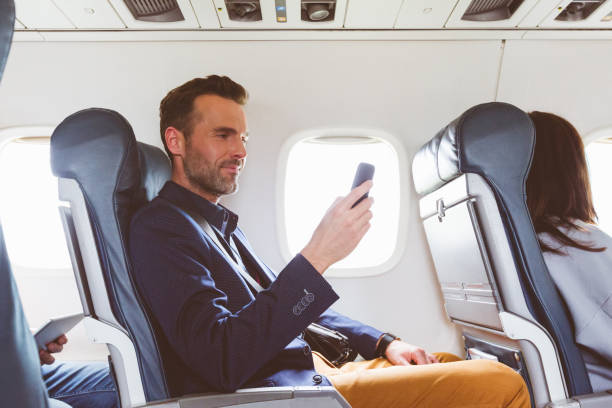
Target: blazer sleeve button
317 379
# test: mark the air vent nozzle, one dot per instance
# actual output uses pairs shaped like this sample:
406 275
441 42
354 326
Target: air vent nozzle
164 11
243 10
578 10
318 10
491 10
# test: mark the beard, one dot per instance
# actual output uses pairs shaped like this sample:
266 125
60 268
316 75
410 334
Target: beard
207 177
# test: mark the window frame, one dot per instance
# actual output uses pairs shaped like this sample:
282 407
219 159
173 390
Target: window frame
604 132
8 135
404 205
597 134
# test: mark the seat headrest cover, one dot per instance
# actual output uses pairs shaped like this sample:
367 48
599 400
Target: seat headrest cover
155 169
7 24
97 148
475 140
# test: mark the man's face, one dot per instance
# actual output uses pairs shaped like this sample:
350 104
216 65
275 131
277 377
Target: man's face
215 152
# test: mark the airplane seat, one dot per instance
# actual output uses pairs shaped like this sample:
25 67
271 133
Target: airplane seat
21 383
104 177
496 287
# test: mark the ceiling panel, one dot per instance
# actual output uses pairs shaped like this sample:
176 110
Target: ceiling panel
41 14
190 20
539 12
206 13
90 13
425 13
372 14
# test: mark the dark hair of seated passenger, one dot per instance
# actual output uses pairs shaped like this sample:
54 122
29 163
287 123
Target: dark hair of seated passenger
176 109
558 188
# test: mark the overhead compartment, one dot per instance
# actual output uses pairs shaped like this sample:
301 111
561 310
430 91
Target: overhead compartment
156 15
580 14
489 13
92 14
40 15
372 14
281 14
425 13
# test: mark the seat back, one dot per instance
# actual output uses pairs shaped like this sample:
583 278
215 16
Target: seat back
495 284
21 384
98 161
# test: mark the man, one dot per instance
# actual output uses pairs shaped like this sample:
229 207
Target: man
219 334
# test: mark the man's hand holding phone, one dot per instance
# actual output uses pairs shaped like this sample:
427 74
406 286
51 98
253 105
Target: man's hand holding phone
343 226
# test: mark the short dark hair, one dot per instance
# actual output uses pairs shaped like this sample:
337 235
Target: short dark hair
176 109
558 188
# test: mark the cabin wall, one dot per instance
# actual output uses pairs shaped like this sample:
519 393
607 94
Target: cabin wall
407 88
569 78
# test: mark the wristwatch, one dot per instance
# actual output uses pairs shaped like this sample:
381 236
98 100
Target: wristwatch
383 343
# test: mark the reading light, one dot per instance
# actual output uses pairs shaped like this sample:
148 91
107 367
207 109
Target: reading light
243 9
317 11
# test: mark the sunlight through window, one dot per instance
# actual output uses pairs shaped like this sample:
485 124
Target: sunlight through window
599 158
321 169
29 206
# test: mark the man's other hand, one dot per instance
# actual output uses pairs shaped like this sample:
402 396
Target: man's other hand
400 353
55 346
340 230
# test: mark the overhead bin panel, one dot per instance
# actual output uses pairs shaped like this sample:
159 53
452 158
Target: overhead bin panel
583 14
41 14
18 25
137 14
281 14
372 14
425 13
96 14
489 13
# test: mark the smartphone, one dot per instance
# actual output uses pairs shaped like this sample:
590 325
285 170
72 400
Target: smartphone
365 171
55 328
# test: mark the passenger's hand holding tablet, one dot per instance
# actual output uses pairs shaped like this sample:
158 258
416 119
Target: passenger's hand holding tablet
51 338
344 224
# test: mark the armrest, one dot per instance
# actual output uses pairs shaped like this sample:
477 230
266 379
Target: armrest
595 400
276 397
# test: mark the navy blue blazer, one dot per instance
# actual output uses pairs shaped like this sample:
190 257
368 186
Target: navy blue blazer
218 335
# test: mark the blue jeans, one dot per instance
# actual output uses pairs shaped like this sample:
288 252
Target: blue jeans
81 385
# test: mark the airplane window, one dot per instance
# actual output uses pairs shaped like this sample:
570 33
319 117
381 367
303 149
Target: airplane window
29 206
319 169
599 158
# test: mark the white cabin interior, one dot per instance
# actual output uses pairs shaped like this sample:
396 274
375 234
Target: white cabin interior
404 67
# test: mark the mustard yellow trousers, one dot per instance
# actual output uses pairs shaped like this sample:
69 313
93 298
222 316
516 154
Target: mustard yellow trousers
452 383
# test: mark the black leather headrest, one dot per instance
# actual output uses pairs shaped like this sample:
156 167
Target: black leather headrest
474 142
97 148
496 141
155 169
7 24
